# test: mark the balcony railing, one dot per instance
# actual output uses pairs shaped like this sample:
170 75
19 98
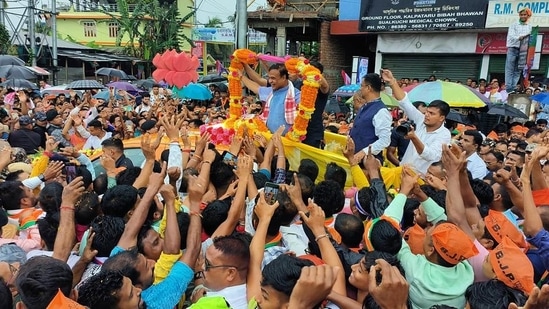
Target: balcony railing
92 6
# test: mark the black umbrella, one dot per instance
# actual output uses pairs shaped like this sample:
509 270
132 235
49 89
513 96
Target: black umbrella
85 84
145 83
507 111
457 117
19 83
211 78
16 71
11 60
222 87
113 73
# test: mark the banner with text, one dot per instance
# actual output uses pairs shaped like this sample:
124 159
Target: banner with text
421 15
495 43
503 13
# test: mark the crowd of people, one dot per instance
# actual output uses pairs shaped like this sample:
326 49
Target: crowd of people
466 225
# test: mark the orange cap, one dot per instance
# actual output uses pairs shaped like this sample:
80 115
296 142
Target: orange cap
519 129
512 266
61 301
452 243
415 236
499 226
492 135
51 97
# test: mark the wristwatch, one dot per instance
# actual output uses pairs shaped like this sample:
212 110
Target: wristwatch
42 178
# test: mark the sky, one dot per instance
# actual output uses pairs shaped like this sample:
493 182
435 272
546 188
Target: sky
221 8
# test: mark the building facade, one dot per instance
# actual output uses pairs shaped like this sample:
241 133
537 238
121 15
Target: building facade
88 25
447 38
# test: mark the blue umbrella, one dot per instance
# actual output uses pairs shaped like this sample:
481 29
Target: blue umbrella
193 92
105 95
347 90
542 97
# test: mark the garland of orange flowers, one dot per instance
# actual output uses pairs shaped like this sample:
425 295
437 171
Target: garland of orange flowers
311 82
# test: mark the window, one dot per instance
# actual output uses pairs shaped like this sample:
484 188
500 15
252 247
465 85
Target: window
90 29
113 29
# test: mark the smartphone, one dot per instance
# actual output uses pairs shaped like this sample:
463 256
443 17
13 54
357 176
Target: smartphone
530 148
229 158
70 172
271 192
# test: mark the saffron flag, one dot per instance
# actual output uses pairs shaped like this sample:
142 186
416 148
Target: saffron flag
346 78
530 56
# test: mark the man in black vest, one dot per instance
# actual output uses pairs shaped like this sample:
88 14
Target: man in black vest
372 124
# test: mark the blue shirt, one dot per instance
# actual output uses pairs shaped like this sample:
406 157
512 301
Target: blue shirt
276 116
167 293
541 242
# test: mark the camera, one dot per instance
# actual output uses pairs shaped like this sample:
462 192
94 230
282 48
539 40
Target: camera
405 127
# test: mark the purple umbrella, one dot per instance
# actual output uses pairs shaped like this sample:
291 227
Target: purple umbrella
123 86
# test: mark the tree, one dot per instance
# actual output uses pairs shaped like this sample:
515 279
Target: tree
129 24
4 39
214 22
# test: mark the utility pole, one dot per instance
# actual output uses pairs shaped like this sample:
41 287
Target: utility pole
32 36
54 41
3 12
241 24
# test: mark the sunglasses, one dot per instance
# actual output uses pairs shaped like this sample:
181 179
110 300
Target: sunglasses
208 265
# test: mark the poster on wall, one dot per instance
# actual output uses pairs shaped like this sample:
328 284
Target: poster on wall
360 69
421 15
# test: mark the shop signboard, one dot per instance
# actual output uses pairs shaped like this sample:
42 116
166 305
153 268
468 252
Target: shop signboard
502 13
421 15
495 43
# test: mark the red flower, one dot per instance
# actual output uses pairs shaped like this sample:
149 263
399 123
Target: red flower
231 57
306 61
301 112
235 74
317 77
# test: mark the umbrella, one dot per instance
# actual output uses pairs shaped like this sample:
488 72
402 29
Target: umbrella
123 86
211 78
542 97
222 87
10 60
347 90
105 95
388 100
145 83
456 95
457 117
507 111
85 84
16 71
19 83
193 92
112 72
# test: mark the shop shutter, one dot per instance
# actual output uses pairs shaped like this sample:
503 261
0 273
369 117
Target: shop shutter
455 67
497 65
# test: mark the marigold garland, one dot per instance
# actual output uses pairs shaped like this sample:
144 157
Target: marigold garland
311 82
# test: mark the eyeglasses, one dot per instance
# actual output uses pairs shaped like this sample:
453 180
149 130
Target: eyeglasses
208 265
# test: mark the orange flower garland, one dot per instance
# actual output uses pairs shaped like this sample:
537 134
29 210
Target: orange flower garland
311 82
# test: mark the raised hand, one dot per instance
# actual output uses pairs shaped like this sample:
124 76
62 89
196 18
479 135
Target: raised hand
263 210
409 179
315 220
392 293
53 170
73 191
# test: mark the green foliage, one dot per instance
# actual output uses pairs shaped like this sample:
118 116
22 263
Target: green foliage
214 22
150 28
4 39
94 45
